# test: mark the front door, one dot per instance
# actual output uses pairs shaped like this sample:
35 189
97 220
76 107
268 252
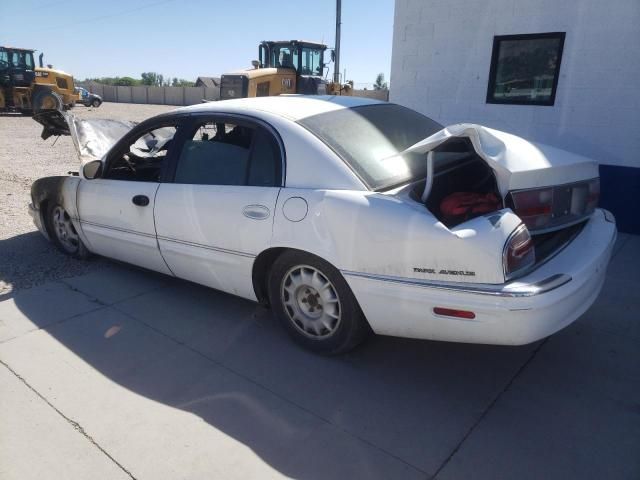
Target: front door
217 214
116 210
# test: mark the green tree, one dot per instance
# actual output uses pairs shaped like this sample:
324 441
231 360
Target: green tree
152 79
181 82
380 84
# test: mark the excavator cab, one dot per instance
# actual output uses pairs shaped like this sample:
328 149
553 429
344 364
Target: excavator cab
307 58
16 67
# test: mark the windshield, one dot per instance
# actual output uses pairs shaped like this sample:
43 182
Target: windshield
369 136
283 56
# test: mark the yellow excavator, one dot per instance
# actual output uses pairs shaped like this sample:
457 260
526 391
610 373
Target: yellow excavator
284 67
26 88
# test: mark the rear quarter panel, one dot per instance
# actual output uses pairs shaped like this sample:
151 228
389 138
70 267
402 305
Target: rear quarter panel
372 233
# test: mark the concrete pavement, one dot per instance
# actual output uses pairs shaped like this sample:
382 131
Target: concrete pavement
122 373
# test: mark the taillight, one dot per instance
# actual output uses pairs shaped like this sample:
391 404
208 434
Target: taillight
594 195
534 207
552 207
519 253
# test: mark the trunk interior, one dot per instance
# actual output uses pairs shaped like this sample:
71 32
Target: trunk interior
459 169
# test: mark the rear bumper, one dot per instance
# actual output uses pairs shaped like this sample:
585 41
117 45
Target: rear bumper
518 312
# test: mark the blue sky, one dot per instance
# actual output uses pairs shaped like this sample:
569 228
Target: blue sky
187 38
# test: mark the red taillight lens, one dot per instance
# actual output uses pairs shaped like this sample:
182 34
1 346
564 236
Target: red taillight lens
519 252
534 207
452 312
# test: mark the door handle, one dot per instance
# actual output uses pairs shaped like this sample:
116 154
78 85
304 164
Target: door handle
256 212
140 200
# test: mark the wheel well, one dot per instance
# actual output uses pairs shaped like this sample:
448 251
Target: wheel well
260 274
262 266
42 207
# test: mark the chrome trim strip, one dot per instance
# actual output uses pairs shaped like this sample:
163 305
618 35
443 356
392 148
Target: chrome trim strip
119 229
207 247
504 290
173 240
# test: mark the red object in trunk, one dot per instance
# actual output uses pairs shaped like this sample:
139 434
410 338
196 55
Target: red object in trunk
461 206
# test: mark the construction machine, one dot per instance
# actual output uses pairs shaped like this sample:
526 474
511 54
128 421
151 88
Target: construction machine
26 88
284 67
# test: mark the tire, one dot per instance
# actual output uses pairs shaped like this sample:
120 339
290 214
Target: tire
63 233
46 100
95 103
315 304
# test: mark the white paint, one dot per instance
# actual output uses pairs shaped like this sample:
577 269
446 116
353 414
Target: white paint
442 55
516 162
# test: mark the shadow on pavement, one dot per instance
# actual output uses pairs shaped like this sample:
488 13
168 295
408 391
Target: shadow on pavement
393 408
28 260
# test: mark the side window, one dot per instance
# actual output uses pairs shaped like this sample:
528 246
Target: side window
144 159
4 59
223 153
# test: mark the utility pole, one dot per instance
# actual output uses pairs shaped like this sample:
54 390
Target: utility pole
336 66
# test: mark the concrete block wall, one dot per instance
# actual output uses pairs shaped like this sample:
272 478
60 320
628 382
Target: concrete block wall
153 95
442 54
376 94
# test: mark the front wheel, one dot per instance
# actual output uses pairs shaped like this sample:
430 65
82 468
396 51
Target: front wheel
315 304
96 103
64 234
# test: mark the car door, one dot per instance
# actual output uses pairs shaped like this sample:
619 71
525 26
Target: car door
217 213
116 210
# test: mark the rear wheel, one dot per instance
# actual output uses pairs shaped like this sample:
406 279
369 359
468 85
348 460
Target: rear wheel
47 100
95 103
64 234
315 305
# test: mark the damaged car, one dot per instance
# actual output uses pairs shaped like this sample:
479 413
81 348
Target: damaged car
346 215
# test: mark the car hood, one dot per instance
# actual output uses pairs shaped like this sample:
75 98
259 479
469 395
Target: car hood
518 163
91 137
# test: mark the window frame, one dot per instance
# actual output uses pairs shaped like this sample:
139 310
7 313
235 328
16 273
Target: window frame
192 122
493 70
120 148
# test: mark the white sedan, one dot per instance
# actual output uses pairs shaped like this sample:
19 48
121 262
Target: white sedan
346 215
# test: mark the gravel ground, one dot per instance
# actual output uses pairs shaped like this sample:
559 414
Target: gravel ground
26 258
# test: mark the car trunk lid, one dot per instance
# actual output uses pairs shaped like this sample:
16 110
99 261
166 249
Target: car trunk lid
517 163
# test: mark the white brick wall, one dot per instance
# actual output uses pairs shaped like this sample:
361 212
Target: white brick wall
442 54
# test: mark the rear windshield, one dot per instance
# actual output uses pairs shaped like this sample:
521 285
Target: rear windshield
368 137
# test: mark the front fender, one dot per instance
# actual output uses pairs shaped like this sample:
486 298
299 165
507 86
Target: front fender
59 190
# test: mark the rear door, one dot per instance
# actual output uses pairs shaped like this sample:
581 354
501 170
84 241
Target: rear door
217 213
116 210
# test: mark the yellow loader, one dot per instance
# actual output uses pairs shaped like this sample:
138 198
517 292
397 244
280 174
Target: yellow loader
28 89
284 67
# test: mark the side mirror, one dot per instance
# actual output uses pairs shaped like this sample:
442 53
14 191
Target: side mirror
92 170
333 56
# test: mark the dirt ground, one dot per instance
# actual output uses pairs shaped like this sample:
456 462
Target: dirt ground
26 259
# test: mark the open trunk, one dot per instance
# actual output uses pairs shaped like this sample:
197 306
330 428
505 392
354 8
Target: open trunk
482 170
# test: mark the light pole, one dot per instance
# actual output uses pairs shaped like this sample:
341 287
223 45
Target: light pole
336 66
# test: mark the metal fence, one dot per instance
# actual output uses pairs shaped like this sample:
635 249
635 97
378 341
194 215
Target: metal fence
180 95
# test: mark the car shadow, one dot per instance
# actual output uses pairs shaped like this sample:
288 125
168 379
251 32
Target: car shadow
394 407
28 260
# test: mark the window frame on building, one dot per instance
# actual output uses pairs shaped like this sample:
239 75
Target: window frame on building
491 87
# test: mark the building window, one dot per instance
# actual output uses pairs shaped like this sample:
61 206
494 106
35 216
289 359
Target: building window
525 68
